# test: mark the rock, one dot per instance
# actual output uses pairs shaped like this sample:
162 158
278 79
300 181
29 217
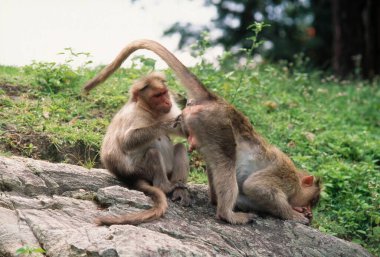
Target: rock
53 206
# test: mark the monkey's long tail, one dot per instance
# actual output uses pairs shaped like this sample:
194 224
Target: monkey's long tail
195 89
158 210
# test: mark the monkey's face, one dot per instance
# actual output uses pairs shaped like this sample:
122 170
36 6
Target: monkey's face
309 195
313 192
310 190
159 100
313 195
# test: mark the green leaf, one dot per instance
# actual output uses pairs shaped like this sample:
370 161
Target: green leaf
39 250
21 250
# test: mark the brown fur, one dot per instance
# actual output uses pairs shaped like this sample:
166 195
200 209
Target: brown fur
278 188
158 210
137 150
234 152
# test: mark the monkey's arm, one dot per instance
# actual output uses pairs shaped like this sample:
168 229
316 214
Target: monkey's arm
138 137
178 127
135 138
179 175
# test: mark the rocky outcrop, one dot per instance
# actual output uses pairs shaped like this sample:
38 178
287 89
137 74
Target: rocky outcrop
53 206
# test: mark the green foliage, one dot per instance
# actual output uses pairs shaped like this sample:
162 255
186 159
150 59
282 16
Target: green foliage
295 26
328 127
256 28
145 64
53 77
197 176
30 251
199 48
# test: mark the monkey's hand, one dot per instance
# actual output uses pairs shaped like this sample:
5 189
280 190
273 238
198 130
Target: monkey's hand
178 121
181 194
305 211
171 124
191 102
300 216
180 124
168 124
174 126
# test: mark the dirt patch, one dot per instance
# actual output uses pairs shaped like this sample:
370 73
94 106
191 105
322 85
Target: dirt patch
39 145
13 90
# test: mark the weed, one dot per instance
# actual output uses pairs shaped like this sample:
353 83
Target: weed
256 28
51 77
30 251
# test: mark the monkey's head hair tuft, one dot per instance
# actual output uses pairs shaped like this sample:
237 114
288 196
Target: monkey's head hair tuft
317 195
144 82
318 181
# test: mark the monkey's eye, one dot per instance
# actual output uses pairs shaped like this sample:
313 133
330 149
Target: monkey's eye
144 87
159 95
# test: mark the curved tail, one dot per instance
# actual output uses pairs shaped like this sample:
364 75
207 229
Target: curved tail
157 211
195 89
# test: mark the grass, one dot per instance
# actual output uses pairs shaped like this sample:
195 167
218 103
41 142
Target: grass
328 127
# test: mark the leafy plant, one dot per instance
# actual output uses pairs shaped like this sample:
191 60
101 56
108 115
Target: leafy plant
256 28
53 77
143 63
30 251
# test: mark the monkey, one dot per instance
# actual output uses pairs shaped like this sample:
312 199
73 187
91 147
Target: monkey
137 149
232 149
268 180
273 185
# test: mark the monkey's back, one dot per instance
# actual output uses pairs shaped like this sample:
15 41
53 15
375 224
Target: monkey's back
112 154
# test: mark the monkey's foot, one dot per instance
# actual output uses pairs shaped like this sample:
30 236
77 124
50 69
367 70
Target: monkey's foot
307 213
236 218
301 218
182 195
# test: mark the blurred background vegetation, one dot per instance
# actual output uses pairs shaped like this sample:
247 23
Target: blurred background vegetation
340 35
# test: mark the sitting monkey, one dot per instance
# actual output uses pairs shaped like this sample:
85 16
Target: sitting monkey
137 149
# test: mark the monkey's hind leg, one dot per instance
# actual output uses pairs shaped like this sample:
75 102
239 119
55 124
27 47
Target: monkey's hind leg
155 170
216 143
211 189
267 197
181 165
226 189
220 157
179 175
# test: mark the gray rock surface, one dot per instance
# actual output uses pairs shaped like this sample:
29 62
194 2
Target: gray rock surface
53 206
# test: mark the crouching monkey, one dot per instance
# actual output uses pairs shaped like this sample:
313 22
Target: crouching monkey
270 183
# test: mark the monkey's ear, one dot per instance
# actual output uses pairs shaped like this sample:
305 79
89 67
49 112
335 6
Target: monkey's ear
135 95
308 181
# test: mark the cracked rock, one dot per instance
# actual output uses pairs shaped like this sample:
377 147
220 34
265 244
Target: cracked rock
53 206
